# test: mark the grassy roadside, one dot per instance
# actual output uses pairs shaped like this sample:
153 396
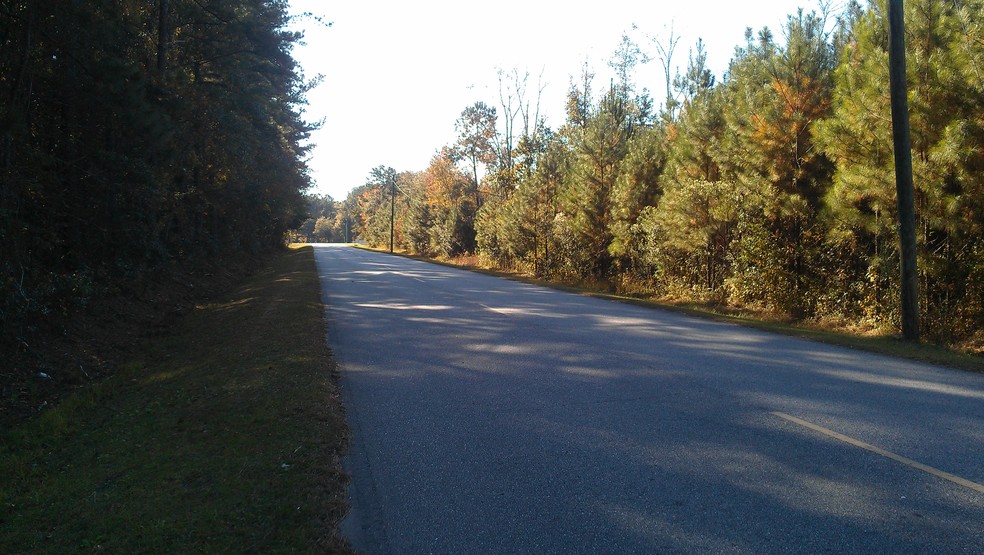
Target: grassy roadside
886 345
223 435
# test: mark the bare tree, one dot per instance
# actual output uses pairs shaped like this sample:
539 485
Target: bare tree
511 107
515 97
523 96
664 51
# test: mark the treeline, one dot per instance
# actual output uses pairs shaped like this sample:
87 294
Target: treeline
136 137
771 188
326 222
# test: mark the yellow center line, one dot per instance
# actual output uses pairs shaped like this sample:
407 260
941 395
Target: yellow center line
887 454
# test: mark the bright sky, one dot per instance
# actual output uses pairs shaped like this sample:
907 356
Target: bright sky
397 74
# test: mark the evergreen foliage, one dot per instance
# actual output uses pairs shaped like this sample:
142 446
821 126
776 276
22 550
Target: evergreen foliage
772 187
136 137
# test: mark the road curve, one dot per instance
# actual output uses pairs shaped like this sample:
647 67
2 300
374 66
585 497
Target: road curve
490 416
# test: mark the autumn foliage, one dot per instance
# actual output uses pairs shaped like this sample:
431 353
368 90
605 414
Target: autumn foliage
772 188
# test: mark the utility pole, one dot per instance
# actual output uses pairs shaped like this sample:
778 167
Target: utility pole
903 171
392 209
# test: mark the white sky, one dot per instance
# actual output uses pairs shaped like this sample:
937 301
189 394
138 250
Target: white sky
397 74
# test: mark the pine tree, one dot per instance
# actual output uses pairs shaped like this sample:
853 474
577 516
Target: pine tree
639 184
945 117
600 147
527 218
775 96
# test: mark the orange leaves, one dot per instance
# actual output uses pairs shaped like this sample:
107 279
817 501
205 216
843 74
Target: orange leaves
444 184
804 100
782 127
369 201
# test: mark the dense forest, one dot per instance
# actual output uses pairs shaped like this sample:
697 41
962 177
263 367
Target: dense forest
136 138
772 187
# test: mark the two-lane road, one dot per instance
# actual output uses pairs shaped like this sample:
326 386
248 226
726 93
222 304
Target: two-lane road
490 416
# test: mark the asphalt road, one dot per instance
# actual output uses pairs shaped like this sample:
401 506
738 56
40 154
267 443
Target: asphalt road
490 416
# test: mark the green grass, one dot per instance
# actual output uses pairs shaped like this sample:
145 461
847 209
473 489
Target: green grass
223 435
887 345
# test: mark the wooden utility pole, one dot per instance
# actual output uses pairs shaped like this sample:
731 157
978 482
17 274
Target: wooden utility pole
392 209
903 171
